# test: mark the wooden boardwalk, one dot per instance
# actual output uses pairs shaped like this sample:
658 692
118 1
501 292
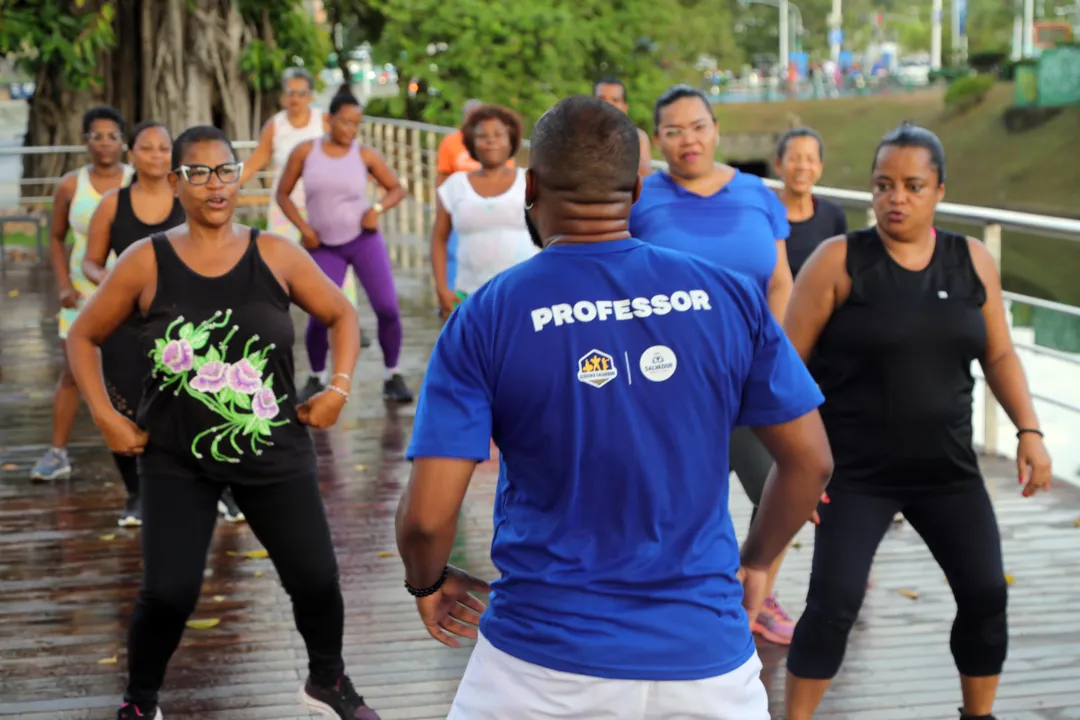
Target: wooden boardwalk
68 575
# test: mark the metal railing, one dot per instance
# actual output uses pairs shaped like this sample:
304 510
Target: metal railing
411 148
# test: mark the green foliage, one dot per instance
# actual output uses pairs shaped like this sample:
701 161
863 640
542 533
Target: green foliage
296 41
968 91
41 33
529 54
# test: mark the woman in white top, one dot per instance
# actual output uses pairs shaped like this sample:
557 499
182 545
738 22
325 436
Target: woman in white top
486 207
296 123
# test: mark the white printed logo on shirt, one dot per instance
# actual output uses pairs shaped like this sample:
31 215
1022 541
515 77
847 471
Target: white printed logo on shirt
658 363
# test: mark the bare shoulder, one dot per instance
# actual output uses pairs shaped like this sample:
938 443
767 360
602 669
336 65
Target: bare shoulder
370 154
109 201
642 135
982 260
279 251
68 183
139 259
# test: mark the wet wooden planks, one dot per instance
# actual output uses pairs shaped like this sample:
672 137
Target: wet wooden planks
68 576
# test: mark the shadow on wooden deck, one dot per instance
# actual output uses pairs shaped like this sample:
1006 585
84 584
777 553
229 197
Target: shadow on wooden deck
68 575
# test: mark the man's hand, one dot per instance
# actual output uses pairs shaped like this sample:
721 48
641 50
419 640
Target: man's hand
452 609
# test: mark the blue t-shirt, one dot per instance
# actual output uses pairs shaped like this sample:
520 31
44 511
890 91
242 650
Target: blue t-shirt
610 376
736 227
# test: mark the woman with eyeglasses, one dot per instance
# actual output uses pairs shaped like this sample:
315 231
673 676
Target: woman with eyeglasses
341 231
74 202
145 207
735 221
295 123
220 410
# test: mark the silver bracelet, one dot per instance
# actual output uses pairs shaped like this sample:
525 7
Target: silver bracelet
341 375
339 391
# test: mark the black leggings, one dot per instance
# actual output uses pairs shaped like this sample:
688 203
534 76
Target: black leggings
959 528
125 367
179 513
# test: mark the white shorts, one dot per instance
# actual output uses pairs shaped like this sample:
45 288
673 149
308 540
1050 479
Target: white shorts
497 686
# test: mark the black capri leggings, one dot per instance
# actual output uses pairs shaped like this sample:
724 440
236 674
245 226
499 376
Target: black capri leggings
179 513
959 528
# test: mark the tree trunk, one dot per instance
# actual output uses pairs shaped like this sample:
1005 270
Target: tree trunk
177 62
55 118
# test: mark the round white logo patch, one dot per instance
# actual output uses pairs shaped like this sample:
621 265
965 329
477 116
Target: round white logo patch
658 363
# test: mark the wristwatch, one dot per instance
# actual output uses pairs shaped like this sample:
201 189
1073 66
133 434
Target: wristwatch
377 207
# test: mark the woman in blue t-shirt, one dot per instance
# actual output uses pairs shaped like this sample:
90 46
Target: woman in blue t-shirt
732 219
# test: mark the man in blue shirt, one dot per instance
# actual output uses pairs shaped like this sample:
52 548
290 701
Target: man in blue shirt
609 372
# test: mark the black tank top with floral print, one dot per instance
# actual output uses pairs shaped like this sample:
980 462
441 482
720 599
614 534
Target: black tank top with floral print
221 399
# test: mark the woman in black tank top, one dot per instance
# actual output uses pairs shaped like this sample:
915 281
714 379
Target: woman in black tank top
219 410
890 319
116 225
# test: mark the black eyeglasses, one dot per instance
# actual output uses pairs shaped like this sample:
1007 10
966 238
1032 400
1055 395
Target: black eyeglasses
227 173
297 93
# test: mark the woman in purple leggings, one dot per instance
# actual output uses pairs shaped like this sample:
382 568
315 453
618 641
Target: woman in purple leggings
342 230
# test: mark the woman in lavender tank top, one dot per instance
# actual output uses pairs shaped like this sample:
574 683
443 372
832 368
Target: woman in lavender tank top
342 231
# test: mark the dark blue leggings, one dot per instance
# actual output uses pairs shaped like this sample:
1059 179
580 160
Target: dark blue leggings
959 528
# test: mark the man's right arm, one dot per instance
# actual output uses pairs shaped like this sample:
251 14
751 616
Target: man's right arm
780 403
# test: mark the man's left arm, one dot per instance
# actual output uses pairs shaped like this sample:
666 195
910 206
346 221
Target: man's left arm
451 434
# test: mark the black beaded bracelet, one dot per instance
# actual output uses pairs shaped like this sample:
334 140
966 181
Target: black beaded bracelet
1034 431
431 590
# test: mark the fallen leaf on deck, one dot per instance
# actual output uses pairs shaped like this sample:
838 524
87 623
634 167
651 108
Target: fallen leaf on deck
1009 579
231 553
13 293
108 484
107 537
256 554
219 598
910 594
203 624
386 554
1077 523
360 468
11 466
796 545
258 573
107 661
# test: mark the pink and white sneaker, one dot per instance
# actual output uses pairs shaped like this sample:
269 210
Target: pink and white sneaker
773 623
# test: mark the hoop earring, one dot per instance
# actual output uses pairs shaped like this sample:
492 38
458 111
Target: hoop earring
529 206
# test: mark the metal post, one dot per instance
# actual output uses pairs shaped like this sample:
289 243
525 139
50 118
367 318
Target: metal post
1029 29
935 36
992 240
836 25
785 37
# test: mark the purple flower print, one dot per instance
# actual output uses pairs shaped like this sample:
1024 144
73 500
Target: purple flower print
264 404
178 356
211 377
243 377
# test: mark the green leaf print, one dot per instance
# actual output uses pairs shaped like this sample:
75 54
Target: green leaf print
186 331
199 339
242 400
212 355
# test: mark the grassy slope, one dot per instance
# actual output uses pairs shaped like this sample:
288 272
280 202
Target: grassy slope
1037 171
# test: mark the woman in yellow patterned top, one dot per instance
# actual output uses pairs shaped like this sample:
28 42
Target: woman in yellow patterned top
76 198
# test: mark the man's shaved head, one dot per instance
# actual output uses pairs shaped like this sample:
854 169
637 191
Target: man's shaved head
585 146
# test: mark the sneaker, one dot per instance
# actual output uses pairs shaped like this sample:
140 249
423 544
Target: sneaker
132 515
54 465
131 711
311 388
365 339
773 624
228 508
340 701
396 390
974 717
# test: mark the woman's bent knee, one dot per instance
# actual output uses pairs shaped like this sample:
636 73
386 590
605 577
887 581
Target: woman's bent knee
980 634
